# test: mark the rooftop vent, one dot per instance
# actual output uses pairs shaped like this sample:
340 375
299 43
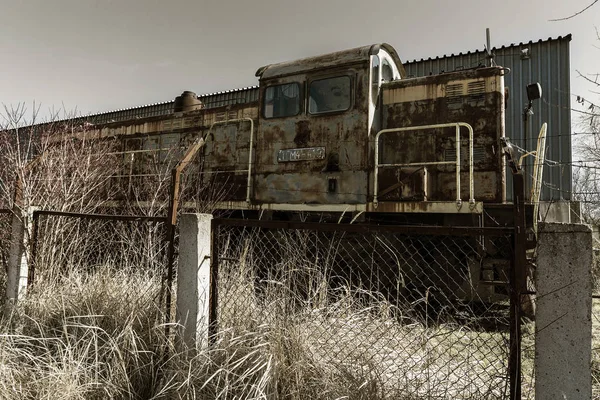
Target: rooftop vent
188 101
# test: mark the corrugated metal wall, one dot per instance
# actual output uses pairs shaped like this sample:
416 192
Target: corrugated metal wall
546 62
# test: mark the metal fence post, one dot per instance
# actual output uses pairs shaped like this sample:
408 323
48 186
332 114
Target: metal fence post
33 247
517 283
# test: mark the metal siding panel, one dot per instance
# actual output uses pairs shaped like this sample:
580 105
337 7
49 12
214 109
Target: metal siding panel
548 64
565 128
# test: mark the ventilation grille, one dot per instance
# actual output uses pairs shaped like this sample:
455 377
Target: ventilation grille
454 93
476 91
222 116
478 154
454 90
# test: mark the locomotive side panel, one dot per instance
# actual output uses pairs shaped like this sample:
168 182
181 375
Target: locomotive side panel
224 161
475 97
151 146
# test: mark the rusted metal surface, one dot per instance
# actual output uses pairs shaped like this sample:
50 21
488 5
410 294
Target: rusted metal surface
314 159
428 163
182 123
187 101
409 207
473 96
545 61
341 176
433 207
345 58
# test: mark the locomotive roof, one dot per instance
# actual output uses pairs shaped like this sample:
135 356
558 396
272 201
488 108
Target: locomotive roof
337 59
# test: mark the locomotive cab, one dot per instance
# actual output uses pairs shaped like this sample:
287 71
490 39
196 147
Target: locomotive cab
316 117
347 132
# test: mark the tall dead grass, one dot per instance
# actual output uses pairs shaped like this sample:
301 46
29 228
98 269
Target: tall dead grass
88 336
98 334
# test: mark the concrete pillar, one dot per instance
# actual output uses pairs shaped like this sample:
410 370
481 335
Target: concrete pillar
193 279
563 338
18 267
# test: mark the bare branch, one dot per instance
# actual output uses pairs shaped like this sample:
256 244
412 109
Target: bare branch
576 14
595 82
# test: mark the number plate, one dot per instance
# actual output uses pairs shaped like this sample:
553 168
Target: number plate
306 154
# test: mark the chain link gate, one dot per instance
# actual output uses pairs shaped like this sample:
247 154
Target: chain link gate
63 242
395 312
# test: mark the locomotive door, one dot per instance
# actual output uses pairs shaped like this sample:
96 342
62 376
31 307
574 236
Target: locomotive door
311 141
225 161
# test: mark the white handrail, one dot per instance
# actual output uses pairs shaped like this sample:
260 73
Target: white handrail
457 125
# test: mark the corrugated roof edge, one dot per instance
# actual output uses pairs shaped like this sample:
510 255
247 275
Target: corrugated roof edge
566 37
228 91
169 101
103 113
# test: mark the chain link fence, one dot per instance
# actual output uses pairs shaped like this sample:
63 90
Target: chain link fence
66 243
394 312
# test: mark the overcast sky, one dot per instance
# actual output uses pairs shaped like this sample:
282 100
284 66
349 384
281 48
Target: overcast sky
101 55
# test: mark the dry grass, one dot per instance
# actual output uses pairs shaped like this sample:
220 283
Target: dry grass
86 337
97 332
342 349
98 335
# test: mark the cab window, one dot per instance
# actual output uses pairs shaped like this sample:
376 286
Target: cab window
282 100
375 79
387 73
329 95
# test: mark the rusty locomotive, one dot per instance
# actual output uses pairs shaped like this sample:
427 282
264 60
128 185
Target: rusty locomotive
344 135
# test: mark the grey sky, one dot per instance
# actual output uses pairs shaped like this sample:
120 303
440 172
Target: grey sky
100 55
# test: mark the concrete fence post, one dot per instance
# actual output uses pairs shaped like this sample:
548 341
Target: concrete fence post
563 333
18 264
193 279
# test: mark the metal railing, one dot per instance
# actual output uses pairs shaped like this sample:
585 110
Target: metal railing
456 125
